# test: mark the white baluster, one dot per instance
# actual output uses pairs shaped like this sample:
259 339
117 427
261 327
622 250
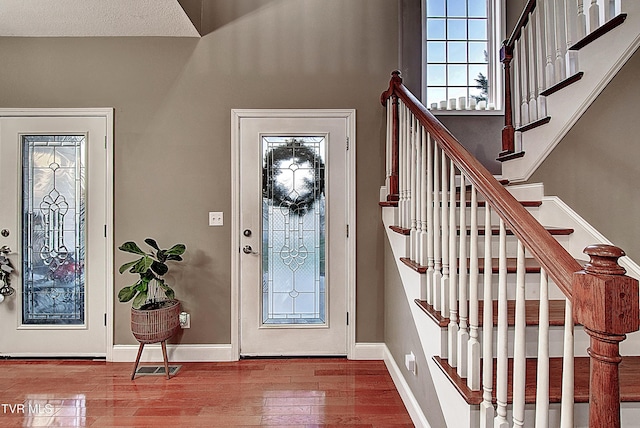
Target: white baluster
582 19
412 187
542 380
524 78
445 236
561 40
430 231
402 169
503 328
418 193
423 202
463 310
550 42
594 16
437 245
517 112
571 34
452 337
487 412
519 345
566 417
595 20
473 363
541 59
409 166
533 68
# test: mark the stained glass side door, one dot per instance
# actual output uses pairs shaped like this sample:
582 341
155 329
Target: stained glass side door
53 215
293 247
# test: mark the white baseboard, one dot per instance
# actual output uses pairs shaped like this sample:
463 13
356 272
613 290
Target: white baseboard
175 353
409 400
368 351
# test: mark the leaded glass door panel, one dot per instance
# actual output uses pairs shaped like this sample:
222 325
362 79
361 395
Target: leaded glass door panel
293 203
53 175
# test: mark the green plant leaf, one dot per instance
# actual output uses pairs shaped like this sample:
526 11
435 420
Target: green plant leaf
142 265
127 293
162 255
140 299
152 243
177 258
127 266
177 250
142 285
159 268
131 247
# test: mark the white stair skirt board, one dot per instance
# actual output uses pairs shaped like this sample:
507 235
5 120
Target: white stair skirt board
417 416
600 61
175 353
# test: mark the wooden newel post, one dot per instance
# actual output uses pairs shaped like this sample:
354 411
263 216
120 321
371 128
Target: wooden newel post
508 132
605 302
394 192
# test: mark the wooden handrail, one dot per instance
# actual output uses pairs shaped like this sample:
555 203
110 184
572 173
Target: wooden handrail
522 21
555 260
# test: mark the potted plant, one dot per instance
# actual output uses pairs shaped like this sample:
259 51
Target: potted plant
155 312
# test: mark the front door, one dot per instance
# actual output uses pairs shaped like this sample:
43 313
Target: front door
293 243
53 215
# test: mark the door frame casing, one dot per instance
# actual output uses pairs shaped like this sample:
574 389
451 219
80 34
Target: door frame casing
107 113
237 115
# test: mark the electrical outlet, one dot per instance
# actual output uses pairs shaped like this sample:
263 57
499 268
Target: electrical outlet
216 218
185 320
410 362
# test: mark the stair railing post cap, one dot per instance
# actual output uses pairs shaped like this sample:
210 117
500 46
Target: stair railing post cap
604 259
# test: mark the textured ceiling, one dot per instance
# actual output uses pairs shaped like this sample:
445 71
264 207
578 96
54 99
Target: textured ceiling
97 18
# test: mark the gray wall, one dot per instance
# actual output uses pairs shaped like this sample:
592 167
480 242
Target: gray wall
596 167
401 337
172 100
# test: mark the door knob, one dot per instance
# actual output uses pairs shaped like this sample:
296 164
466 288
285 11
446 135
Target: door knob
248 250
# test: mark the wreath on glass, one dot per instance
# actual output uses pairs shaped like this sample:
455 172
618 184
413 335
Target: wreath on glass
5 273
293 155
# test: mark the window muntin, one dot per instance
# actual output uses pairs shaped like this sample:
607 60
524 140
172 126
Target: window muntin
460 56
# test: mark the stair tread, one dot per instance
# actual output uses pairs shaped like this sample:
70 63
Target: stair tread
599 32
531 265
553 230
629 370
532 310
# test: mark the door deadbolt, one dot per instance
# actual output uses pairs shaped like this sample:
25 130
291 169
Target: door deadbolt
4 232
247 232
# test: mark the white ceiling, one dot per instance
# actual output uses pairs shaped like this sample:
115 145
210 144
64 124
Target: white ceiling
87 18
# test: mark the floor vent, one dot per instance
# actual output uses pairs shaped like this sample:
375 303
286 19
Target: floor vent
156 370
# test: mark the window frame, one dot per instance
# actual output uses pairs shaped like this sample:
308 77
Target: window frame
496 34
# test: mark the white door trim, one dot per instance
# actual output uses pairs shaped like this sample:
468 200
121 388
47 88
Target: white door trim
107 114
350 116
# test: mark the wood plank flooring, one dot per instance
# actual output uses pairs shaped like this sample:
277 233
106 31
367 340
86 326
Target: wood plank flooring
261 392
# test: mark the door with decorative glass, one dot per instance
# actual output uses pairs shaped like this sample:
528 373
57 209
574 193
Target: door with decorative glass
53 173
293 234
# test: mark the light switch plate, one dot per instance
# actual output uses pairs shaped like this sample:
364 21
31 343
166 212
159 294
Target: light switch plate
216 218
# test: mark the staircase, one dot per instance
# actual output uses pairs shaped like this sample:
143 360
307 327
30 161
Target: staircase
559 58
518 326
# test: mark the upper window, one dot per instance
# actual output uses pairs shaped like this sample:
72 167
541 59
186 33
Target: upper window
460 55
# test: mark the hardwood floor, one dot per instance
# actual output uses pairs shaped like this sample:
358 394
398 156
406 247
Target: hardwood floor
262 392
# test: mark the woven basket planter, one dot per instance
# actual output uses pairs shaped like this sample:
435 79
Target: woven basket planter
156 325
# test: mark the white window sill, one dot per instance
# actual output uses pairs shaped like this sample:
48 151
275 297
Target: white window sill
467 112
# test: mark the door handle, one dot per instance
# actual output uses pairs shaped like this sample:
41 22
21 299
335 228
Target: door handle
248 250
